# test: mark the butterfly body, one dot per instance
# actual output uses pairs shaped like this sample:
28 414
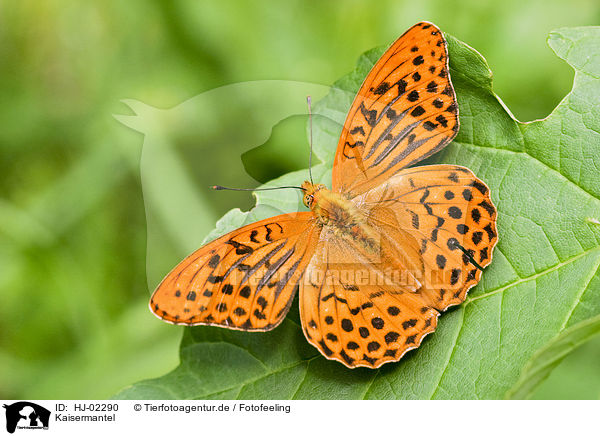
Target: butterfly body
381 253
339 215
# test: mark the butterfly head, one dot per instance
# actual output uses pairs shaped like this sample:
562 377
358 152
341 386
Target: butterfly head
309 193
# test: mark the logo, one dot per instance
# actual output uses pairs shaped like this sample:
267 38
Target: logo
26 415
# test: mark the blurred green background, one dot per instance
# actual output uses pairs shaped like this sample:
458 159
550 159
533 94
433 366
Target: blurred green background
74 321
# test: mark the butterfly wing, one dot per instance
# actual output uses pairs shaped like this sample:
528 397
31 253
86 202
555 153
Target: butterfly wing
404 111
448 211
355 314
437 225
243 280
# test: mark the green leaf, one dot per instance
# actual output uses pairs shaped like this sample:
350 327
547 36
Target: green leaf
576 377
547 358
545 181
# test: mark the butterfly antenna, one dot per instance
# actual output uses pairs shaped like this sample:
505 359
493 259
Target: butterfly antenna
469 255
308 101
223 188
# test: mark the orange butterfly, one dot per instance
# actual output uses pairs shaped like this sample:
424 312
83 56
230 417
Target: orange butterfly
382 253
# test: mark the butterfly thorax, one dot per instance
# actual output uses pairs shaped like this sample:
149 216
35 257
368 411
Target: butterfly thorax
339 215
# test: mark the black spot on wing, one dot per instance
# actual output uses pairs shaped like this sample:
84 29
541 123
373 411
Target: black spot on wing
349 360
325 348
488 207
382 88
488 229
369 115
240 248
418 60
357 129
214 261
479 186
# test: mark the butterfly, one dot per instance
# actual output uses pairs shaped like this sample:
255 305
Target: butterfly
380 254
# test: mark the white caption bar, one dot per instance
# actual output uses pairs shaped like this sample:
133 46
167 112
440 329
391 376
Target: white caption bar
265 418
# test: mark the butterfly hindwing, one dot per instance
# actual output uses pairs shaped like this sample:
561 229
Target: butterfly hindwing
352 315
450 214
404 111
244 280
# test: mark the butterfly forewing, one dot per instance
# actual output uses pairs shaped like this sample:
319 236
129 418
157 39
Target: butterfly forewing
404 111
244 280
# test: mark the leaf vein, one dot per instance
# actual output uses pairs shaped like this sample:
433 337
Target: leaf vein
531 277
439 382
466 144
580 296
